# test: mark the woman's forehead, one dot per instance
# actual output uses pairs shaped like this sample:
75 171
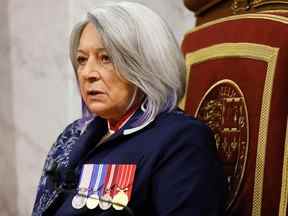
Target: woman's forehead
91 39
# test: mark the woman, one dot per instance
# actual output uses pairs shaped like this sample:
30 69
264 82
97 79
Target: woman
133 152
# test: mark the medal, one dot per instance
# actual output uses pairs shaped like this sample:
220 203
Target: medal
106 199
79 200
95 185
104 185
92 201
105 202
120 200
124 181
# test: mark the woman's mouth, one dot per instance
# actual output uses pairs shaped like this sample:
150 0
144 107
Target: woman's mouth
94 93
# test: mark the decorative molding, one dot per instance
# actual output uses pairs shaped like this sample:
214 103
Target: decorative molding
258 3
284 187
238 6
263 16
273 11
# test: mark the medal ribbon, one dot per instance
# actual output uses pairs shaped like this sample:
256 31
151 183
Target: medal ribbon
93 179
100 188
111 168
86 174
125 178
129 179
116 179
95 186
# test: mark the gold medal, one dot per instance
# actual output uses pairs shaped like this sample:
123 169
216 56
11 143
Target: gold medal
120 200
79 201
92 201
105 202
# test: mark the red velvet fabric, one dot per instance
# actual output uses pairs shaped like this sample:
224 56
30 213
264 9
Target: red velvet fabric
249 74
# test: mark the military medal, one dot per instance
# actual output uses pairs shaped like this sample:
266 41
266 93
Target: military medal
92 201
106 199
125 179
104 185
95 186
79 200
120 200
105 202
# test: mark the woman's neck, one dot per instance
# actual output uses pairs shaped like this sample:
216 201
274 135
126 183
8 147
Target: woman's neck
114 125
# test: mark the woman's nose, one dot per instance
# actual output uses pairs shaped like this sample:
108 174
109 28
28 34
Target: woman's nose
93 76
92 70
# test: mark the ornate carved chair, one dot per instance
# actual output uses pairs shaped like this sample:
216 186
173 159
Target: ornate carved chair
238 85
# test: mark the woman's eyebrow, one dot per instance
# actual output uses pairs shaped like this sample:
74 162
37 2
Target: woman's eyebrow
80 51
96 50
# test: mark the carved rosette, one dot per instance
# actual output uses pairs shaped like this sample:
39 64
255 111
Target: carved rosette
224 110
239 6
256 2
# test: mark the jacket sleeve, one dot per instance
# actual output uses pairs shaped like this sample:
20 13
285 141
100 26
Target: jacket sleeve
189 180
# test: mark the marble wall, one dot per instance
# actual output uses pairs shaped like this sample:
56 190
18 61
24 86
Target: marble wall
8 182
38 96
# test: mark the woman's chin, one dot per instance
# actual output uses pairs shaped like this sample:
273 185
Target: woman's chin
98 109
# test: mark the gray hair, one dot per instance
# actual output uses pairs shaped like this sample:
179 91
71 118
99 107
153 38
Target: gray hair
144 51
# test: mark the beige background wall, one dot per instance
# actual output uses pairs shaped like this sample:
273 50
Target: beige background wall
38 96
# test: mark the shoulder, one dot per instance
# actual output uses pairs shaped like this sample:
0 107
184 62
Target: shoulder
177 122
176 131
184 138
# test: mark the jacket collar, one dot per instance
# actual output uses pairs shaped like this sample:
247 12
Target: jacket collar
132 125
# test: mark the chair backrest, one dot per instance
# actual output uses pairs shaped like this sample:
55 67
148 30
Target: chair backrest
237 83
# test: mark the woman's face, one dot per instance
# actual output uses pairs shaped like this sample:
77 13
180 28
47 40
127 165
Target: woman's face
104 92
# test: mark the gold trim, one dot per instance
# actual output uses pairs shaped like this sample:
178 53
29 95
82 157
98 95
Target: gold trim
284 187
272 11
183 100
261 3
256 1
257 52
271 17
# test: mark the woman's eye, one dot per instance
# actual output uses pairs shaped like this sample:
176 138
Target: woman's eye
81 60
105 59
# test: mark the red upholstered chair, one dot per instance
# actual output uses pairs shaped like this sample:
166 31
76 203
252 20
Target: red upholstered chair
238 85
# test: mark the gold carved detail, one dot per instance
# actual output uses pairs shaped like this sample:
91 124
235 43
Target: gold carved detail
240 5
253 51
223 109
255 2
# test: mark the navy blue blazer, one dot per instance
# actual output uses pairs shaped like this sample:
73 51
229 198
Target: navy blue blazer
177 170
